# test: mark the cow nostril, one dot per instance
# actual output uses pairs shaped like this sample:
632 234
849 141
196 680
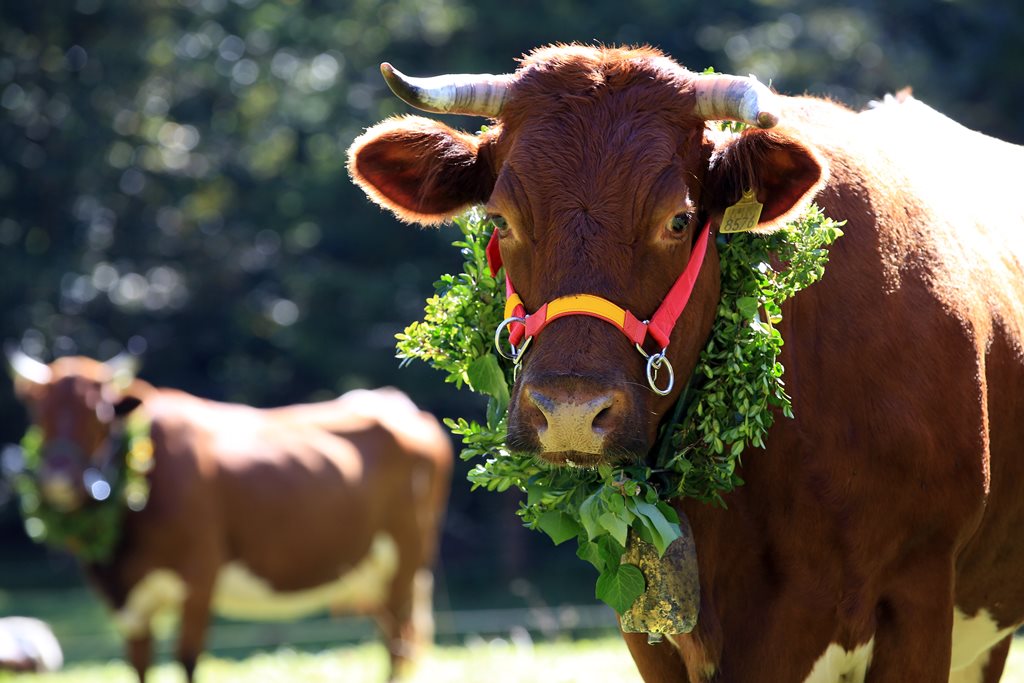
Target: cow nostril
543 403
604 419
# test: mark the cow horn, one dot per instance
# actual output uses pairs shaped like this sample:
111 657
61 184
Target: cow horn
28 368
735 98
472 94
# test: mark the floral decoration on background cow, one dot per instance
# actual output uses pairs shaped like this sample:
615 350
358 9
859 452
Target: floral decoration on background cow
876 537
253 513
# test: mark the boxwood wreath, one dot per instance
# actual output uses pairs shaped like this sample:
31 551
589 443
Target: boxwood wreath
92 531
736 390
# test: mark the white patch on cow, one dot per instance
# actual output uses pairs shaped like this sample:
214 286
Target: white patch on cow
972 673
973 637
839 665
241 594
159 590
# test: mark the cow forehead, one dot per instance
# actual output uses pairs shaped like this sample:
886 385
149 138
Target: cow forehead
602 125
591 133
80 366
619 153
613 172
68 403
565 79
77 381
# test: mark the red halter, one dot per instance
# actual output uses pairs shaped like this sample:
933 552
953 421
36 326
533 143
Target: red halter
523 326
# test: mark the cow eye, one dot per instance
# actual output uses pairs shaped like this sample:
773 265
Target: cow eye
679 223
499 222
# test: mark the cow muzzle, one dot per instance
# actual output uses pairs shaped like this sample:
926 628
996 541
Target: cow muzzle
60 475
570 421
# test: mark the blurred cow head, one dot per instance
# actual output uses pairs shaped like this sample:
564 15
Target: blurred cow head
77 403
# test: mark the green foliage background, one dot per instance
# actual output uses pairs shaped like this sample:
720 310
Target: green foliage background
172 176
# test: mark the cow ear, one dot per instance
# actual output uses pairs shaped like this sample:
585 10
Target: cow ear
422 170
784 174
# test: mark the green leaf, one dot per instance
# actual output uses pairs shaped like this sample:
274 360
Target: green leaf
670 512
590 552
486 377
615 525
558 525
603 553
662 531
589 512
616 503
747 306
620 587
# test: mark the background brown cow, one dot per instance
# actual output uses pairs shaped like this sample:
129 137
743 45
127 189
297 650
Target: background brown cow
255 513
877 538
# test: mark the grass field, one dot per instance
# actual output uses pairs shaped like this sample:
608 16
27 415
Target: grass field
603 660
245 652
594 661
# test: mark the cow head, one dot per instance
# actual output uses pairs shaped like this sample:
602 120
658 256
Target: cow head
600 171
77 403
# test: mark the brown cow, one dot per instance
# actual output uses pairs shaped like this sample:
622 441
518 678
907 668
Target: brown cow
877 538
261 514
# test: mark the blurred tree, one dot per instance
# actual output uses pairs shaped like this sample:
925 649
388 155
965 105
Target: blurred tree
172 172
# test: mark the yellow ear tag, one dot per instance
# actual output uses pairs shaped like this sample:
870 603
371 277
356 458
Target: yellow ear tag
742 216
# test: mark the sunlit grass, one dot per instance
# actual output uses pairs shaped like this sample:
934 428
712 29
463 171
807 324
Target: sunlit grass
603 660
593 661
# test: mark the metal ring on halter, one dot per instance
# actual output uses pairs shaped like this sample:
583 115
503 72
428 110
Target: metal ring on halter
654 363
497 339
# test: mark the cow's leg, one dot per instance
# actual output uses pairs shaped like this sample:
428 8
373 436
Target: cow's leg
140 652
658 662
997 660
398 621
423 608
195 618
913 635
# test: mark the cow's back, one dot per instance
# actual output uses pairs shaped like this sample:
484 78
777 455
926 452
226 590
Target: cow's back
927 199
395 438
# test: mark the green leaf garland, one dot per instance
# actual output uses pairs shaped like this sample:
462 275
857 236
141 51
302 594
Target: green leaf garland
737 393
92 531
